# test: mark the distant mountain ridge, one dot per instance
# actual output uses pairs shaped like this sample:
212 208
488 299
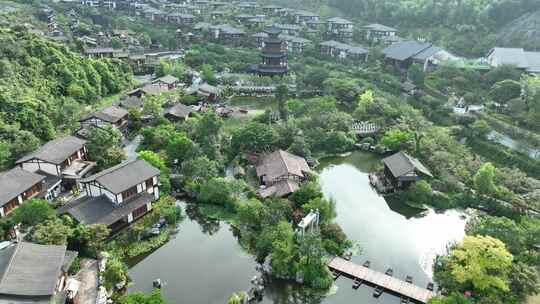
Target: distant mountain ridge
523 32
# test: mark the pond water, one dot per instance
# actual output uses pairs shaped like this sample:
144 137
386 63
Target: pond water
205 264
513 144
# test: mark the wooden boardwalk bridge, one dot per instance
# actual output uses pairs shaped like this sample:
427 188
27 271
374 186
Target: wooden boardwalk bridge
391 284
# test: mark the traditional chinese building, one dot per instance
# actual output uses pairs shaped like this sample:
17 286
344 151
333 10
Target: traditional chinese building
274 55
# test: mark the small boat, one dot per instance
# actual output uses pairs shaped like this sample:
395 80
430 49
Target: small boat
408 279
357 283
405 300
389 272
430 286
367 264
378 291
157 283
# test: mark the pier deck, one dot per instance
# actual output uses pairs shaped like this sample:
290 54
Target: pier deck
392 284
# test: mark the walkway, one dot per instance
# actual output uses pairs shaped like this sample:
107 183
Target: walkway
88 276
391 284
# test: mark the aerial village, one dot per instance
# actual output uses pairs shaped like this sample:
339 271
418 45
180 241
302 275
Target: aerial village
277 127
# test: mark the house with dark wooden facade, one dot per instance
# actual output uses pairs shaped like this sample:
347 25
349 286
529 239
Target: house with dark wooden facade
168 81
379 33
302 17
113 116
339 29
178 112
404 53
19 186
403 170
227 34
62 161
181 19
116 196
32 273
343 51
280 173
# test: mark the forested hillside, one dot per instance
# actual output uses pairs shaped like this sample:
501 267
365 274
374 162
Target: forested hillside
44 89
468 27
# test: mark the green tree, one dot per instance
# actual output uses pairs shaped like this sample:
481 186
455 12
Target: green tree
282 93
140 298
396 139
315 77
502 228
345 90
480 128
95 237
421 193
198 171
326 209
115 273
157 161
283 251
220 191
254 137
51 232
504 91
5 155
484 179
208 74
33 212
480 262
104 147
416 74
180 148
454 298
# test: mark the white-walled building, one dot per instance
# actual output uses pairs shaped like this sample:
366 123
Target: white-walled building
117 196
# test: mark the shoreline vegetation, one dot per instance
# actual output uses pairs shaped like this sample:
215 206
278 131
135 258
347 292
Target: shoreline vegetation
47 87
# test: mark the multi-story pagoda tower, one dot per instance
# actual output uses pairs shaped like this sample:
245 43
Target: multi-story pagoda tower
274 55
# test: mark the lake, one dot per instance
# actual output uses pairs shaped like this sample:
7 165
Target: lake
205 264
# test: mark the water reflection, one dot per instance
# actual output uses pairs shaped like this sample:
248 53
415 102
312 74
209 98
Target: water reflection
205 263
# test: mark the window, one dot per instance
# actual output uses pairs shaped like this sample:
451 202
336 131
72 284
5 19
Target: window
14 203
32 191
150 183
129 192
139 212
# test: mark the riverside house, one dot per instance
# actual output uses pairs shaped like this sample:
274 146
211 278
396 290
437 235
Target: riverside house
19 186
62 161
113 116
32 273
116 196
280 173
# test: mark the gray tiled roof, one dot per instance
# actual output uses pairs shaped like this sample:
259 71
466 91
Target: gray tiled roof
401 164
339 20
124 176
425 54
179 110
405 49
510 56
32 270
380 28
16 181
131 102
280 163
56 151
110 114
168 79
100 210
